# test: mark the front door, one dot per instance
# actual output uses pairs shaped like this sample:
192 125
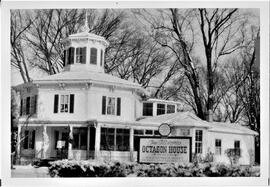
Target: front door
61 139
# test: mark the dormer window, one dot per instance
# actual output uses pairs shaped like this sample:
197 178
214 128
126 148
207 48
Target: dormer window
93 55
160 109
170 109
81 55
147 109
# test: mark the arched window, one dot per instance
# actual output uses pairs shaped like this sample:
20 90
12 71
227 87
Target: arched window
101 57
81 55
93 56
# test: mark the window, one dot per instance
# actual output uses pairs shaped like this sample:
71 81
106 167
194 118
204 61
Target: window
66 103
111 106
147 109
160 109
114 139
93 56
80 138
81 55
28 105
122 139
218 146
198 141
237 147
29 139
101 57
148 132
170 109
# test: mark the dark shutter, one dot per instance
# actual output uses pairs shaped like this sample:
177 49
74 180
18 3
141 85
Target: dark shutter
55 109
35 104
25 141
27 105
118 106
104 105
64 57
33 139
83 55
21 108
71 106
101 57
71 55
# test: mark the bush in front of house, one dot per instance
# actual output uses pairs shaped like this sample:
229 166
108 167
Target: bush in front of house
71 168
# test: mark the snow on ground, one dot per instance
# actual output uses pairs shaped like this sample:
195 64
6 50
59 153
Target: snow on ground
29 171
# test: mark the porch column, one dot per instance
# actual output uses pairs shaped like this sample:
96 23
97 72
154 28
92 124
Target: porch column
44 141
88 142
19 143
97 141
131 143
70 155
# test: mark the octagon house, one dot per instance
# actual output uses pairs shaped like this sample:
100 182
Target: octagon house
83 113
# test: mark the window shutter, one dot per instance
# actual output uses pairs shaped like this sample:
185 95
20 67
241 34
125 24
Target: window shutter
101 57
64 57
25 142
55 109
71 55
118 106
35 104
104 105
24 107
71 107
21 108
28 105
83 55
33 139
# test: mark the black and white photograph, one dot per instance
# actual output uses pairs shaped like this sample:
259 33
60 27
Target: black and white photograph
137 92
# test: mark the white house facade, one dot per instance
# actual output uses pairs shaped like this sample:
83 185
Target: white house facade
84 113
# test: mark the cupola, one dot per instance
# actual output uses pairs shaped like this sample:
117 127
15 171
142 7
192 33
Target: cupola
84 51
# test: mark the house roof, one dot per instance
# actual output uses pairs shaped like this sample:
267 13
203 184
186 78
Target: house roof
184 119
87 76
231 127
153 100
188 119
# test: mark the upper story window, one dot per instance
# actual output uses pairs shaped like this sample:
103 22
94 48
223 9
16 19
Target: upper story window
81 55
160 109
170 109
65 104
28 105
93 55
218 146
111 106
101 57
147 109
198 141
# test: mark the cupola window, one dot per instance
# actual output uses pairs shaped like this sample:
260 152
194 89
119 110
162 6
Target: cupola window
80 55
93 55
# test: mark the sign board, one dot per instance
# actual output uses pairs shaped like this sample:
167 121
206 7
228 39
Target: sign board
165 150
60 144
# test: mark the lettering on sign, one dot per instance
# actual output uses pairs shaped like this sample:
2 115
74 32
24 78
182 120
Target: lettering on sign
169 150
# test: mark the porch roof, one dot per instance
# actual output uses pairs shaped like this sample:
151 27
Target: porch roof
183 119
